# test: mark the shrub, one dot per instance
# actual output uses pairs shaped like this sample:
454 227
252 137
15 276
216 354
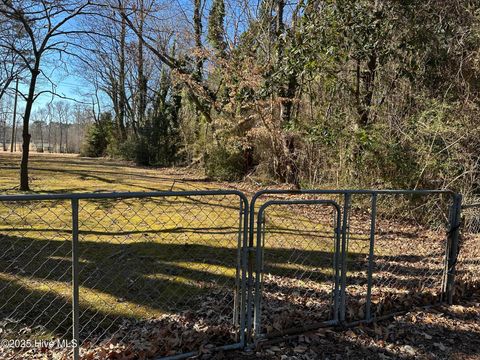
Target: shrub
222 163
98 137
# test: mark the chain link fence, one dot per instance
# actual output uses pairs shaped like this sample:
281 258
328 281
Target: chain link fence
35 269
468 265
174 274
157 274
296 266
394 253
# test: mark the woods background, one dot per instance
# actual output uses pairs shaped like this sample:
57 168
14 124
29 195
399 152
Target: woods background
331 93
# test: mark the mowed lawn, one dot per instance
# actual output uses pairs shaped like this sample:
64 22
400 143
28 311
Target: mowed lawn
70 173
148 258
139 258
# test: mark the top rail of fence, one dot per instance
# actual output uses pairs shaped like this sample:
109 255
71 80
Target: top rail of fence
470 206
120 195
350 191
345 192
134 194
297 202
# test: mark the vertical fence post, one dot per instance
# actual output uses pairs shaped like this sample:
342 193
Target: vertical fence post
453 238
243 300
346 207
250 262
236 300
259 271
336 264
371 254
75 279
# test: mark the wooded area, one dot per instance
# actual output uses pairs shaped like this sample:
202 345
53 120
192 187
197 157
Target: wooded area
325 92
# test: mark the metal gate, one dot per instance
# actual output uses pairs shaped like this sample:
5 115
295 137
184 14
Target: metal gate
206 270
394 250
297 266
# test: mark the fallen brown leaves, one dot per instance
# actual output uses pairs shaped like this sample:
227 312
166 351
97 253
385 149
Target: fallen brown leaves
437 333
199 330
407 275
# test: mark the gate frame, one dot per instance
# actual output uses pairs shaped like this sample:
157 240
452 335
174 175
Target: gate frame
450 256
259 255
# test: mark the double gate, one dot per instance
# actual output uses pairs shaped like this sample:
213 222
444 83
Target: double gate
347 256
183 271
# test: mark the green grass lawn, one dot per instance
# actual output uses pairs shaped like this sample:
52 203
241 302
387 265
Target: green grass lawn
145 259
139 258
70 173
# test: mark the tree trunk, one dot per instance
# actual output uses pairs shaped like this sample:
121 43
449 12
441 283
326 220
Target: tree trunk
4 130
55 139
49 136
121 79
61 135
369 88
279 29
13 142
142 83
25 133
41 137
286 92
197 24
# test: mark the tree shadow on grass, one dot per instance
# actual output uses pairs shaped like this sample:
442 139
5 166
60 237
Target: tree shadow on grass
123 284
134 280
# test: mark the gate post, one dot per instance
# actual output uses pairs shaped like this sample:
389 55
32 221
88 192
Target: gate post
259 266
75 281
371 254
452 243
345 230
250 260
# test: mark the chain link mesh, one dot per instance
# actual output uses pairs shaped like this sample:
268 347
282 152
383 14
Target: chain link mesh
409 257
157 275
298 266
468 264
167 265
408 263
35 270
163 275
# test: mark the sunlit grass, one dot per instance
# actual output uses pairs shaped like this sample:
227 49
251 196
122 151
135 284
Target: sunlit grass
138 258
217 270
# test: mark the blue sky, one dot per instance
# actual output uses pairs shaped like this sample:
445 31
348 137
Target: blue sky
65 75
68 84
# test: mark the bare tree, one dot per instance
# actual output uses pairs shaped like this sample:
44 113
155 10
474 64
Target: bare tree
11 66
62 109
159 45
3 115
104 63
45 24
49 138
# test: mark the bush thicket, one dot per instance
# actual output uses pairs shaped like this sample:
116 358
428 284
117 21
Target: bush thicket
334 93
